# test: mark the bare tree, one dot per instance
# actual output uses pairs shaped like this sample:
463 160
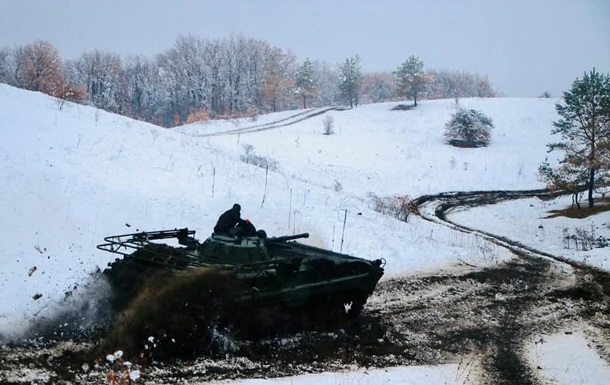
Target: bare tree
144 92
445 84
39 68
7 67
101 74
327 90
277 77
377 87
184 77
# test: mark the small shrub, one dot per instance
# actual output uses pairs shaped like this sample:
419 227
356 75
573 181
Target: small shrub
338 187
251 157
197 115
452 162
487 250
602 242
399 207
468 128
328 123
66 93
583 239
248 148
252 114
402 107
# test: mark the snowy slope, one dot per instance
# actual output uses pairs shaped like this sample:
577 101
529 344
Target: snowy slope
74 174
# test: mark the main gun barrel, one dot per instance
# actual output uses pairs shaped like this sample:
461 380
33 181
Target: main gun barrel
286 238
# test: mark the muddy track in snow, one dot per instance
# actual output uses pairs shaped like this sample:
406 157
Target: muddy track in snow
481 318
554 298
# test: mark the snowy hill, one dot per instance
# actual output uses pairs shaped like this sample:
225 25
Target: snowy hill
403 152
74 174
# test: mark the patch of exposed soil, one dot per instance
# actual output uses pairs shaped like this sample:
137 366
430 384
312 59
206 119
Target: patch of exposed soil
602 205
403 107
410 320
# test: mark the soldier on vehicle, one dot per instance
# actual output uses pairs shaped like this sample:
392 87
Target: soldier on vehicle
229 221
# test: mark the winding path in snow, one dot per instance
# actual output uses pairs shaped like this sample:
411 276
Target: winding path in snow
293 119
435 208
528 309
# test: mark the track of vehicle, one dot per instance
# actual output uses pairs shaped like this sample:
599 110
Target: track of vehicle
308 114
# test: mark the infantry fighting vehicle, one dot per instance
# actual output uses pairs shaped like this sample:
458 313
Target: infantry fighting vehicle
270 270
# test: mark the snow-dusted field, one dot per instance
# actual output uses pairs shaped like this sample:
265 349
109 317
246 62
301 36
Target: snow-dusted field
73 175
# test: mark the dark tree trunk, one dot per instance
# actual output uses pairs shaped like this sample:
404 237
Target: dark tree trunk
575 200
591 180
592 170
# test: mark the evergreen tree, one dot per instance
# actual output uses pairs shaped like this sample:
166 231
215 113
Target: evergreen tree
585 132
304 84
349 79
411 78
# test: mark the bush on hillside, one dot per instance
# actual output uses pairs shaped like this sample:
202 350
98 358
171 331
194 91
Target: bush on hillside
251 157
328 123
468 128
197 115
399 207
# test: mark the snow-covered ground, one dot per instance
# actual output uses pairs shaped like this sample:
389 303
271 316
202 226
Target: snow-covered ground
73 174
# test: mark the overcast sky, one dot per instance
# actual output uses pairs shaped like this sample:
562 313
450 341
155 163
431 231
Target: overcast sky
525 47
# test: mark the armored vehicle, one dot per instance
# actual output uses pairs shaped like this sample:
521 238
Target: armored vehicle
270 270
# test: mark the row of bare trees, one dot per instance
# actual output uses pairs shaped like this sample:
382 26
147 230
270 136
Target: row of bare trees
38 67
199 79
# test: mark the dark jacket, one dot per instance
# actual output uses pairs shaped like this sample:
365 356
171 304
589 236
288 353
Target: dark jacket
228 220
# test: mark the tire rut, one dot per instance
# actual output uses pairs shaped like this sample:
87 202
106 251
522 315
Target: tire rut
276 124
504 363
